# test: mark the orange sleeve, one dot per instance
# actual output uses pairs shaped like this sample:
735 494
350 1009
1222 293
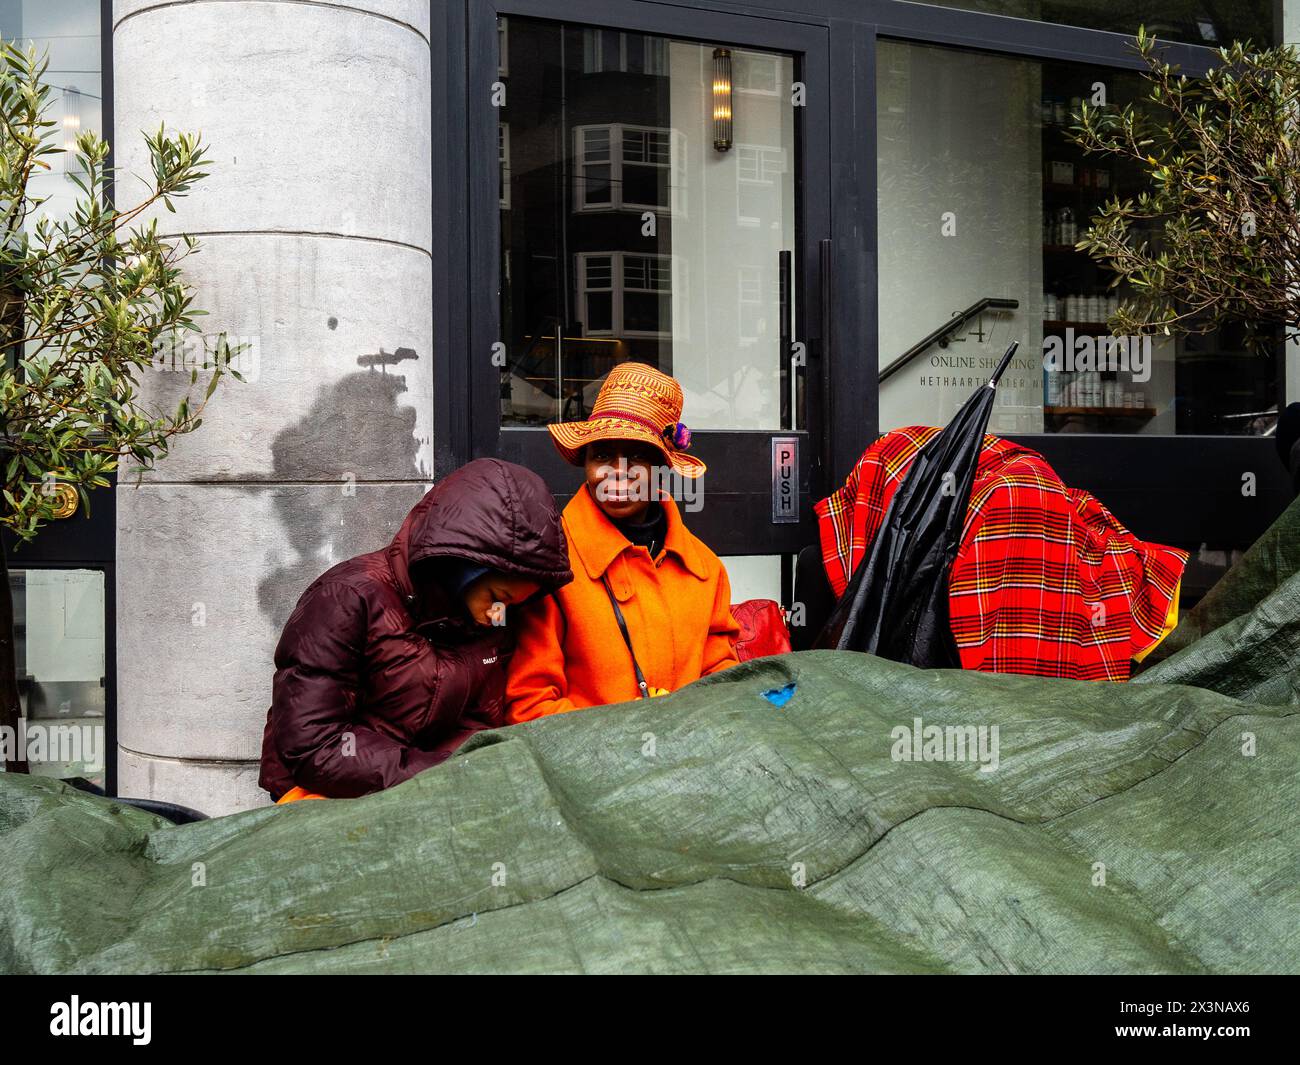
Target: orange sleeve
295 794
720 644
536 684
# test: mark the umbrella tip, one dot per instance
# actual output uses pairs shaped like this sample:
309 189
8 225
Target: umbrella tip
1006 361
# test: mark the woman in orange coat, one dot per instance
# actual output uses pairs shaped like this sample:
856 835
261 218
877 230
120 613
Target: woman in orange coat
649 608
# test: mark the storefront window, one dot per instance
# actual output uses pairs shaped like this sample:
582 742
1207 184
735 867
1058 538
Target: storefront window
982 196
59 614
632 229
69 31
59 624
1188 21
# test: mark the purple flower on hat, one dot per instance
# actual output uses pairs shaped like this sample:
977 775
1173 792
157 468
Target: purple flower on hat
678 435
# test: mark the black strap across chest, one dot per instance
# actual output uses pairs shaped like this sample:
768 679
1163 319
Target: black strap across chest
627 638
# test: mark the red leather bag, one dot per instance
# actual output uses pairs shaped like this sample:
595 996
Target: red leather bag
762 629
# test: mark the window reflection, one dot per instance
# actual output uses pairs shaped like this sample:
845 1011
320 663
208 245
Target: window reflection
69 30
59 629
627 233
1188 21
983 194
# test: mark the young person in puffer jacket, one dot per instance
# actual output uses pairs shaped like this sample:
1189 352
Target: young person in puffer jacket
392 659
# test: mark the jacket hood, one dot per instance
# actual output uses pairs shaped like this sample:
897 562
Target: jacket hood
490 512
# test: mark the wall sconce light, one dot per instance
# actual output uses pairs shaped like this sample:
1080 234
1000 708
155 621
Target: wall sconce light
722 99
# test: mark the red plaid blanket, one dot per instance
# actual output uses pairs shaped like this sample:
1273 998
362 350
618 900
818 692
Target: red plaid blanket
1046 581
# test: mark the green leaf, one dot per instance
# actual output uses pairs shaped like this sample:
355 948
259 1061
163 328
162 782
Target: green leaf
94 295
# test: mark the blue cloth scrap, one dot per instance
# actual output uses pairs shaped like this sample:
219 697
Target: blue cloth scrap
779 696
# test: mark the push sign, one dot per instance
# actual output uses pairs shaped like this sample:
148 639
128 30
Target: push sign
785 480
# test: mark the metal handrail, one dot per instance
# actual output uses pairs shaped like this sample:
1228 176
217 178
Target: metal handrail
517 363
952 325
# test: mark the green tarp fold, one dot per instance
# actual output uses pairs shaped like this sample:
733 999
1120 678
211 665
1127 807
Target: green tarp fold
1142 827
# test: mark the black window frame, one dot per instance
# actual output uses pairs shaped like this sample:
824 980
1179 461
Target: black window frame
81 541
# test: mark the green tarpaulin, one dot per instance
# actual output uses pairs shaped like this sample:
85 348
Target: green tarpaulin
1145 827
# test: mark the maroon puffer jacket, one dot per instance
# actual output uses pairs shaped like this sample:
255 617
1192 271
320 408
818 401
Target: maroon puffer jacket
378 678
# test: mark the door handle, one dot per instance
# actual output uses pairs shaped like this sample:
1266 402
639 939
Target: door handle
823 401
785 325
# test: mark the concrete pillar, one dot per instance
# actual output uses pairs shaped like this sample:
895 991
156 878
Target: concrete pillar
316 247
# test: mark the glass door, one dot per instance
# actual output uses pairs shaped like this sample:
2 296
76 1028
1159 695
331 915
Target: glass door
636 226
659 200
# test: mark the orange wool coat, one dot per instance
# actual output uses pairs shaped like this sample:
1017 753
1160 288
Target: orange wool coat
570 653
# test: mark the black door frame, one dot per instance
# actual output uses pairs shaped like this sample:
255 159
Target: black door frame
1178 489
738 487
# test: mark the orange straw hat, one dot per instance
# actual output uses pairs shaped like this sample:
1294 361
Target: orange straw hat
636 402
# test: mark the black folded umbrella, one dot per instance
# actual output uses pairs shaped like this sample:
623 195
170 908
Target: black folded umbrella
896 603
